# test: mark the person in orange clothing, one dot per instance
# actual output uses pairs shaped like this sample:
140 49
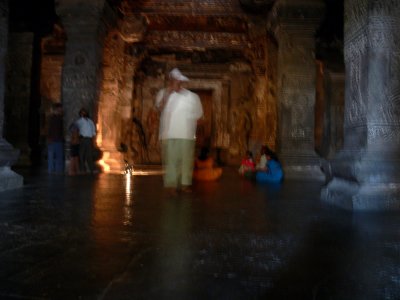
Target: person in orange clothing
204 169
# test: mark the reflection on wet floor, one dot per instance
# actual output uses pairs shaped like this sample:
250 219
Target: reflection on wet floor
115 236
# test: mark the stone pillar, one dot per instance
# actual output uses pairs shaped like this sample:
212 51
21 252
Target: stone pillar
85 28
329 113
297 23
108 115
258 57
8 155
334 85
265 110
121 58
260 131
18 96
366 173
271 97
115 108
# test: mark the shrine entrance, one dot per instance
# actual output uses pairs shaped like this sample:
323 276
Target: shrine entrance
204 127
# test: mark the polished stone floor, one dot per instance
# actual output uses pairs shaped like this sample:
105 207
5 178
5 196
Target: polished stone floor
122 237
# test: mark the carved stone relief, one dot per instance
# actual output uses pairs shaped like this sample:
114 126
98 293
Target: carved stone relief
194 39
221 7
296 23
371 114
85 26
242 128
370 100
132 28
80 78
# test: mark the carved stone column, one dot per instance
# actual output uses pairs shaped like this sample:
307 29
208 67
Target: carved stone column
335 83
121 58
265 113
297 23
116 104
108 114
85 28
366 174
8 155
18 96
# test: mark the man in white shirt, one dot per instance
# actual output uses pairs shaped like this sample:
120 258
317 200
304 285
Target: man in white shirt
87 132
180 110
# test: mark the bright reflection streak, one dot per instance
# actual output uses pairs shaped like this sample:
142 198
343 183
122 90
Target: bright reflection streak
129 169
128 189
143 173
128 199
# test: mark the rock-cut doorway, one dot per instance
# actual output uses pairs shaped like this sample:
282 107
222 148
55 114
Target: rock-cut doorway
204 128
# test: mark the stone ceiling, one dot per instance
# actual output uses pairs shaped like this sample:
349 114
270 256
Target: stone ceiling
216 27
208 27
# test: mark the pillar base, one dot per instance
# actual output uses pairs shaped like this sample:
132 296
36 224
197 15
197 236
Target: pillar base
303 166
365 197
365 181
8 178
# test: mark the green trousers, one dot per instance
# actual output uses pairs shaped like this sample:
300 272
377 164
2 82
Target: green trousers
178 158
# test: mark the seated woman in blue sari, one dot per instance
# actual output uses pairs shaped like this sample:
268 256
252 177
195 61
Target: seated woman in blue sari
272 172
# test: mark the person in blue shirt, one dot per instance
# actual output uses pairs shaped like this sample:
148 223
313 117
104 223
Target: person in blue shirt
272 172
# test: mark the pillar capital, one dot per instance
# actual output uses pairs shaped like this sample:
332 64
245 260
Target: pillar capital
297 18
86 18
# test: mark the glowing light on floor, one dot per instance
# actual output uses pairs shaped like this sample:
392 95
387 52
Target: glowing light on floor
128 189
143 172
129 169
106 168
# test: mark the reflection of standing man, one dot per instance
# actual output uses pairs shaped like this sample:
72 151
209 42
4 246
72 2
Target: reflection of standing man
180 109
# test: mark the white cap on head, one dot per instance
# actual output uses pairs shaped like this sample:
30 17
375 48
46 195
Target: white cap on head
177 75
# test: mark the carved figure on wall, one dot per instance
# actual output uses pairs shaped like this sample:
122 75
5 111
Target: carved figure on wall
242 128
125 134
137 149
152 125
